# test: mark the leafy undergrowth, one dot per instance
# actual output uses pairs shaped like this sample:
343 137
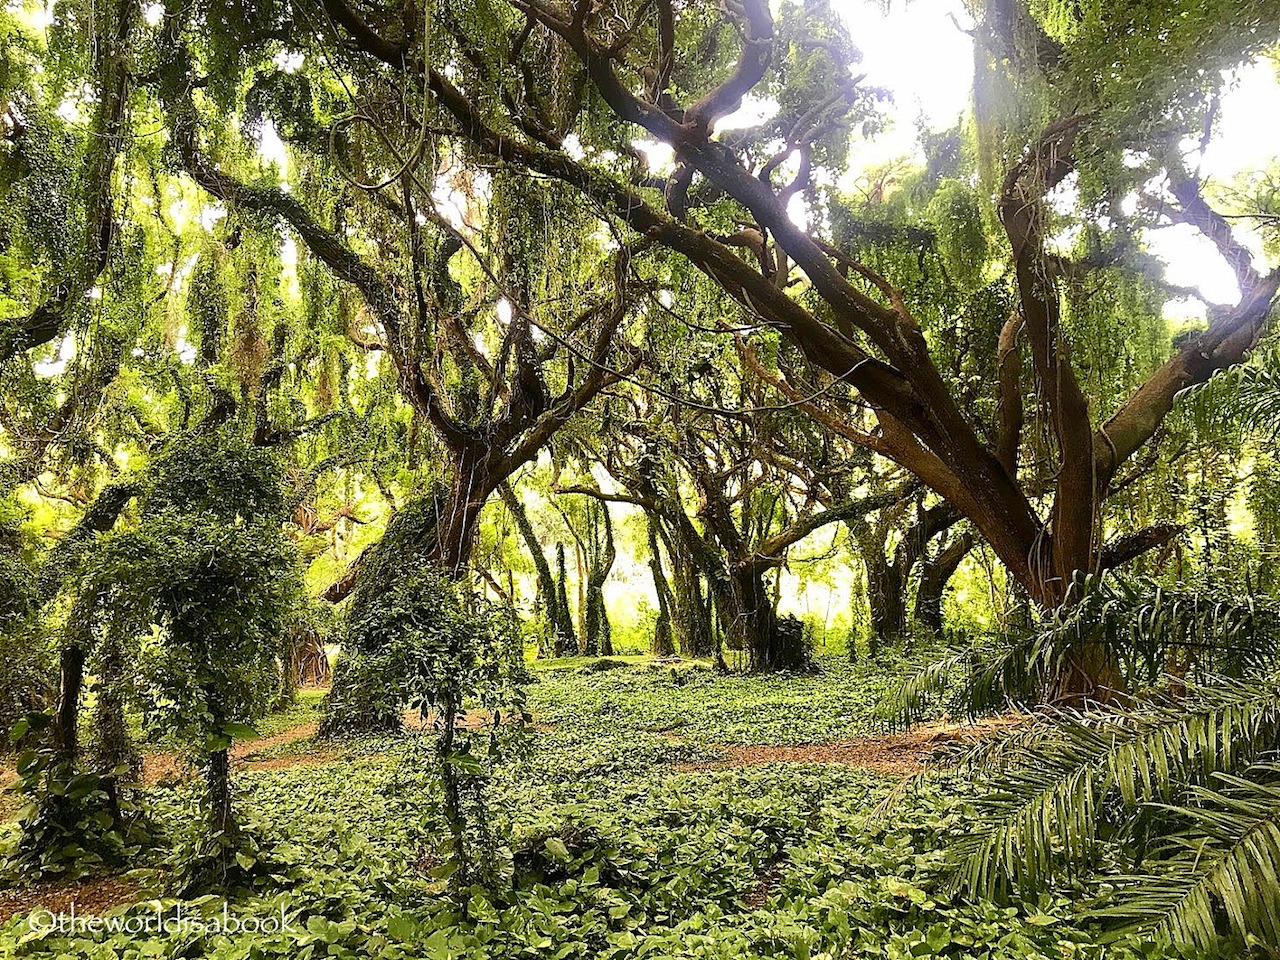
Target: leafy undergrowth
694 702
609 846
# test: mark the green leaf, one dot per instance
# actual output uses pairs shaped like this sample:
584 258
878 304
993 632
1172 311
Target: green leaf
240 731
555 846
402 927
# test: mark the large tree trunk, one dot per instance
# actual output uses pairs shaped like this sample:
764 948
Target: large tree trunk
934 575
67 716
115 748
437 531
887 600
693 628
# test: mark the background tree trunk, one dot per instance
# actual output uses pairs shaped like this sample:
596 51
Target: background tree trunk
771 643
663 642
601 553
557 631
694 631
218 780
934 576
567 640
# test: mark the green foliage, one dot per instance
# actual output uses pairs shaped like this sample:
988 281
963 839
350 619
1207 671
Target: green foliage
219 476
72 822
609 848
27 676
425 644
1220 861
962 238
1246 396
17 586
1147 628
222 596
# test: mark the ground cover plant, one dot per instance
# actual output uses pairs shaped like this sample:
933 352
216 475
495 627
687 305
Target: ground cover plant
616 842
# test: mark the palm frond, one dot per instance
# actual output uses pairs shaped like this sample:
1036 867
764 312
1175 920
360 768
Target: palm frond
1257 402
1246 395
1203 633
1050 781
1224 874
983 678
1206 630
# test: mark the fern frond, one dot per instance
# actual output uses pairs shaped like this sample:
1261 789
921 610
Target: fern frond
1257 401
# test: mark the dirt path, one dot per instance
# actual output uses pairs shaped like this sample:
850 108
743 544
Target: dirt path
166 767
89 898
895 754
249 748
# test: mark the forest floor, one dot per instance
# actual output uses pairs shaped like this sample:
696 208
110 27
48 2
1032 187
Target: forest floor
651 810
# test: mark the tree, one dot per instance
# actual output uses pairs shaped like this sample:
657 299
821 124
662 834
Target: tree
889 572
426 645
850 322
477 359
207 564
759 491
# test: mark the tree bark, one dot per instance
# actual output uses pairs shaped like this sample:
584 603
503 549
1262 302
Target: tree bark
752 621
934 576
886 597
218 782
693 628
557 633
663 641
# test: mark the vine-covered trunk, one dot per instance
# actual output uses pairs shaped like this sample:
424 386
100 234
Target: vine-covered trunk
693 628
115 748
885 596
751 620
290 667
454 816
566 636
597 631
